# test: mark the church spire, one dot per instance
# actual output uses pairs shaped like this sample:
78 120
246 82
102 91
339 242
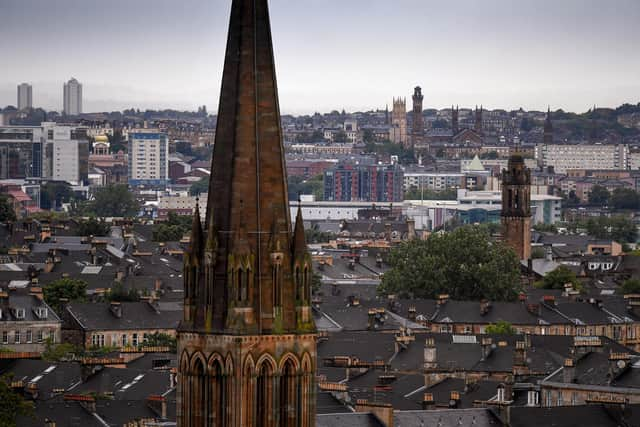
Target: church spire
299 239
247 345
196 240
248 207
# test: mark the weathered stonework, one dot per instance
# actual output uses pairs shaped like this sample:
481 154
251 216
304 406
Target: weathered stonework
516 206
247 344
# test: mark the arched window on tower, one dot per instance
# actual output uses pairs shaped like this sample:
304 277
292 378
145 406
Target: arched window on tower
264 397
288 395
218 397
198 394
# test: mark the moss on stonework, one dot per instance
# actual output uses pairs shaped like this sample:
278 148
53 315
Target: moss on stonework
277 321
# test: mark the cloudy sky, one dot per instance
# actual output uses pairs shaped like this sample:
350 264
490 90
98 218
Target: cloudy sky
330 54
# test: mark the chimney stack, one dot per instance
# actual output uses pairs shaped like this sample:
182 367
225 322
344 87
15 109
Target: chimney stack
569 371
430 354
116 309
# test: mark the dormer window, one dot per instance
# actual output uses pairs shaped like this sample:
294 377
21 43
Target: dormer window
41 312
19 313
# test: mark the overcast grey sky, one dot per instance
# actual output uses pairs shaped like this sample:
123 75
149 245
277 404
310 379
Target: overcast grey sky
330 54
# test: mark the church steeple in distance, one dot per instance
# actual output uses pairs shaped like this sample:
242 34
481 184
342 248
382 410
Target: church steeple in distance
548 128
247 351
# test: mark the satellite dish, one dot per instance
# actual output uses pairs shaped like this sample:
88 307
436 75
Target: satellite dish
621 364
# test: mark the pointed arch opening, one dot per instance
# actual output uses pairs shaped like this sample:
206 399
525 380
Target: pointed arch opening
218 395
289 395
199 396
264 395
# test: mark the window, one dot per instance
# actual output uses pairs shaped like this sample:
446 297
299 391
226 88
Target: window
124 340
39 336
548 403
16 337
574 398
5 337
29 336
445 329
134 340
559 398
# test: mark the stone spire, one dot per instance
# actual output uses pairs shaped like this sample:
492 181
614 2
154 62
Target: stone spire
299 240
248 209
548 128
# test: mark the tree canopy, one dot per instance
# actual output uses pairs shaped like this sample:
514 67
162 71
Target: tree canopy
559 277
630 286
12 404
6 210
173 229
599 195
114 201
501 327
64 289
465 264
624 198
199 187
93 227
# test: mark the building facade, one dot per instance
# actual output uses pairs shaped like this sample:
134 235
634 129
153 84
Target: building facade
564 157
25 96
364 183
148 158
72 94
247 342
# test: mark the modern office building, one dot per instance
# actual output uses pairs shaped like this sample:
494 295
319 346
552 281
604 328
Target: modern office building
148 158
69 149
72 97
25 96
21 152
564 157
48 151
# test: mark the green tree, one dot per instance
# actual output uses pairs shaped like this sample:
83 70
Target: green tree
12 405
64 289
120 294
159 339
501 327
537 253
114 201
624 198
173 229
417 194
60 352
465 263
54 193
630 286
559 277
93 227
599 195
6 209
200 187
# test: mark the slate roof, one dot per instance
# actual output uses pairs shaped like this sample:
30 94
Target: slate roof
446 418
572 416
135 315
353 419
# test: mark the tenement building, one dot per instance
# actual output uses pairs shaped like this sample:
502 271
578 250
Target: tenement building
247 343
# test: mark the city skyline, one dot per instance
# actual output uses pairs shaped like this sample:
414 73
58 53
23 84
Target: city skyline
331 55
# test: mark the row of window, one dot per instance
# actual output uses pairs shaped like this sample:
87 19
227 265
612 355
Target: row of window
117 340
26 337
580 331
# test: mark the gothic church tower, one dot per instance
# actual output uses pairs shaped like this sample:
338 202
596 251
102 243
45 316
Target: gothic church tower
516 206
247 344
